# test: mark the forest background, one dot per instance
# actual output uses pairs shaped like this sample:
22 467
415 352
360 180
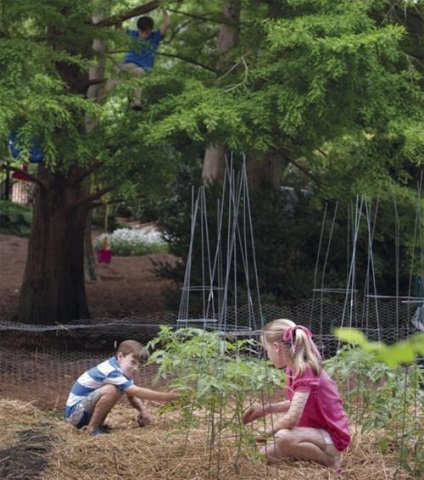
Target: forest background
320 97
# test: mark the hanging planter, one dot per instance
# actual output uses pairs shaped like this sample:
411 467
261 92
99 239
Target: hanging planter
104 255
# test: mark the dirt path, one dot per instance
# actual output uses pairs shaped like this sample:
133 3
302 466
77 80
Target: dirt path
129 286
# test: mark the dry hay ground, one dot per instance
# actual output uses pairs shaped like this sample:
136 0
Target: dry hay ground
39 445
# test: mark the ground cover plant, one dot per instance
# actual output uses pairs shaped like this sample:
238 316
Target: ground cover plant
130 242
386 400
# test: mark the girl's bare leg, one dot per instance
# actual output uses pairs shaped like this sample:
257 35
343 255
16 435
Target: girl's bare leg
304 444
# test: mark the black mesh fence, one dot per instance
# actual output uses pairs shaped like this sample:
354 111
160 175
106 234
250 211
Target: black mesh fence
40 363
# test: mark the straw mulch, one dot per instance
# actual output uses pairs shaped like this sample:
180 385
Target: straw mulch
36 444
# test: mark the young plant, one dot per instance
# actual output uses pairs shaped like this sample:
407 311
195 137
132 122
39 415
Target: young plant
216 375
383 398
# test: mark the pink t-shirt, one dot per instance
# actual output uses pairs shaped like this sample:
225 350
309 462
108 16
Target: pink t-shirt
323 408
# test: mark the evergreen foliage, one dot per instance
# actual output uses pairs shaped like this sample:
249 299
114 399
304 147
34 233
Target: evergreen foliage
332 90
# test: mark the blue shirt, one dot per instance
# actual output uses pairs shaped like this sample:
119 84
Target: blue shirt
106 373
145 52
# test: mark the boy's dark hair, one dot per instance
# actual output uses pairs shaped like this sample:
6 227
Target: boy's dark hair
136 348
145 23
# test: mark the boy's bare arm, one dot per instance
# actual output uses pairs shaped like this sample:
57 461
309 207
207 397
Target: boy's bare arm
136 403
144 417
147 394
166 22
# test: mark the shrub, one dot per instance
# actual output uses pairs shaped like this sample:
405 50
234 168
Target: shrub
15 219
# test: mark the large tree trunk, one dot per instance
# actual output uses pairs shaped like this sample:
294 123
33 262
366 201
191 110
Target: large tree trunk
53 289
91 272
214 159
214 164
266 172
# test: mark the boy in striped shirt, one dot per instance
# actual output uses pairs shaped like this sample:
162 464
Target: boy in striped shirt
97 391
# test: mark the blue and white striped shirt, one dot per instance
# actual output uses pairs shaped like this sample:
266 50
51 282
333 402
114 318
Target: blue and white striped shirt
106 373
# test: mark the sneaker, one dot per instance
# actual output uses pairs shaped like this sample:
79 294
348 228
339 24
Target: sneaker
96 431
106 428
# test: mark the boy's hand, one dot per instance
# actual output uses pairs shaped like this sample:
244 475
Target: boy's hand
173 395
144 419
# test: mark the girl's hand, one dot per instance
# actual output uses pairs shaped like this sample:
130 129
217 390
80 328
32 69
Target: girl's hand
263 436
260 438
253 413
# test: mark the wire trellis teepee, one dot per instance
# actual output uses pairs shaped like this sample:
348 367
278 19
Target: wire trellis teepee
221 260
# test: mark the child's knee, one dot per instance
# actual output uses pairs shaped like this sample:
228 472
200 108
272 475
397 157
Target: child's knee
283 437
112 392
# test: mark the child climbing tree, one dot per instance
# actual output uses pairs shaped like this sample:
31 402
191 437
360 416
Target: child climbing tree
45 62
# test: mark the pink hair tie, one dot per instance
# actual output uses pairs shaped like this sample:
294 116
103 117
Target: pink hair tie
290 332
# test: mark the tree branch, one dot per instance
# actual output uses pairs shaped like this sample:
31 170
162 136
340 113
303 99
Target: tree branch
305 171
85 173
92 197
125 15
188 60
29 177
94 81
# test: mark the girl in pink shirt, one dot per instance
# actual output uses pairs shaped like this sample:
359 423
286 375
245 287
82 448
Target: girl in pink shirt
314 425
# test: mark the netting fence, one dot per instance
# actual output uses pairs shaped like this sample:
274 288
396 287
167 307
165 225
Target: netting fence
39 363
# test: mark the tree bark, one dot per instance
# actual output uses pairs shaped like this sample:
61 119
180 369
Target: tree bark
266 172
91 272
53 288
214 164
214 159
